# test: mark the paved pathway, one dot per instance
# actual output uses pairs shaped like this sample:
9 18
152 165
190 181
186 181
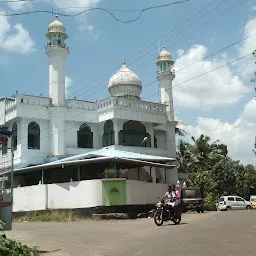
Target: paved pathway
219 233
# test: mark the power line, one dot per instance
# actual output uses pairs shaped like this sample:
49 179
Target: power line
143 86
46 112
90 120
177 41
155 47
92 9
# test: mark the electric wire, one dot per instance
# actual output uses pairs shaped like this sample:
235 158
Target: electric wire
46 112
205 73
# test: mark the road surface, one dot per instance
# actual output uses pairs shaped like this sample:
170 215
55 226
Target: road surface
218 233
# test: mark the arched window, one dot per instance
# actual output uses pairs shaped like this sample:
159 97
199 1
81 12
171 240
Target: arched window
14 136
108 136
134 134
33 136
84 137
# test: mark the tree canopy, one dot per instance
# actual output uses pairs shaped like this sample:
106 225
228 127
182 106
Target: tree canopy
209 166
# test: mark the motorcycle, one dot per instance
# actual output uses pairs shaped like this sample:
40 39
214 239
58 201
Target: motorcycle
162 213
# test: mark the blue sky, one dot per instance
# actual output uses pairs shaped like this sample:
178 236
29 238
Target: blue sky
97 43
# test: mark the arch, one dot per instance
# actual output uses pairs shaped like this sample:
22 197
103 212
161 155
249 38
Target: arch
14 140
134 127
84 137
108 136
133 134
33 135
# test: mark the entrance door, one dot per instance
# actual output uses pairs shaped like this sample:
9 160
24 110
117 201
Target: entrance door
114 192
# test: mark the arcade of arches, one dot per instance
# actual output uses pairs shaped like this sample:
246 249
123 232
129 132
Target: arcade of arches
132 134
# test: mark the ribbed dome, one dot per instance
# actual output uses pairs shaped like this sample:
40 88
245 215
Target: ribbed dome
164 55
57 26
125 83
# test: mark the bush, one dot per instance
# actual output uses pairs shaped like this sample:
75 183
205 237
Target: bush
12 248
209 202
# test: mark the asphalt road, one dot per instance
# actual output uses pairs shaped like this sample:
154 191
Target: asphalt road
219 233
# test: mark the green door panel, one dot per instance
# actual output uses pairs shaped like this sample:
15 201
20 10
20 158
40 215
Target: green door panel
114 192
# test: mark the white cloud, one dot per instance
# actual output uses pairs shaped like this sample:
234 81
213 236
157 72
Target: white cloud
247 66
217 88
59 3
76 3
16 38
84 26
238 136
17 6
68 84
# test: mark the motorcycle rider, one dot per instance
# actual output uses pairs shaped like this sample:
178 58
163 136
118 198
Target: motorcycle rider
172 197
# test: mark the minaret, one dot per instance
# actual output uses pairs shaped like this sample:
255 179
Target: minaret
57 52
165 77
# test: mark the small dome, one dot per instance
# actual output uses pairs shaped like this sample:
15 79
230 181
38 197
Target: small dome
164 55
57 26
125 83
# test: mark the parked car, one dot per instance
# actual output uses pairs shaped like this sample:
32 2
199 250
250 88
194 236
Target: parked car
253 201
227 203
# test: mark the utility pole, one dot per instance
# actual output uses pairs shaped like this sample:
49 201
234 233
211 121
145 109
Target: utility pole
254 80
6 179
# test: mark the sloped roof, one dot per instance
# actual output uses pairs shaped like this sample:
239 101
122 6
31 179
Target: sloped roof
111 152
103 155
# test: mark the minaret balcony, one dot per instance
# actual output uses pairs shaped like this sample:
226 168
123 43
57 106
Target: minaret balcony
165 73
50 46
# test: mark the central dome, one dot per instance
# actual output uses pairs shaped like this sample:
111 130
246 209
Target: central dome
125 83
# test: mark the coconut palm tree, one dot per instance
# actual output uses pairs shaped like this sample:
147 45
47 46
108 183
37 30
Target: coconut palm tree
180 132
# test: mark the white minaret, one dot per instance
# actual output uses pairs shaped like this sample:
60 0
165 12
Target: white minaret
57 52
165 77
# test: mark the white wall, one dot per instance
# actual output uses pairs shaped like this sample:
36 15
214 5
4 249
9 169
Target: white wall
87 193
71 129
31 198
138 192
161 139
83 194
34 156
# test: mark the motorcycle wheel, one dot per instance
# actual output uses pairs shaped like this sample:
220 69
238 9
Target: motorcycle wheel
176 221
158 219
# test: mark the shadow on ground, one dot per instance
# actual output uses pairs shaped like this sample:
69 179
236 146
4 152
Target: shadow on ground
46 252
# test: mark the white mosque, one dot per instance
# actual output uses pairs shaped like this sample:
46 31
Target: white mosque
56 139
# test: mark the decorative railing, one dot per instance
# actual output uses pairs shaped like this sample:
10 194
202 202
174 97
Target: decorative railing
143 105
79 104
33 100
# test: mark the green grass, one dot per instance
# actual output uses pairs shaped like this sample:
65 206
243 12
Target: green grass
52 216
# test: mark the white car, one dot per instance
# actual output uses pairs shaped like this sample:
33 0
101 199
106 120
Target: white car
227 203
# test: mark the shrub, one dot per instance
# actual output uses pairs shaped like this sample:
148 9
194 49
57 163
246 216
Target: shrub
209 202
12 248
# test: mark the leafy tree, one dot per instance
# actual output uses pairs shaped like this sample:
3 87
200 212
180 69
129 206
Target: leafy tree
180 132
224 178
206 154
210 167
184 156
